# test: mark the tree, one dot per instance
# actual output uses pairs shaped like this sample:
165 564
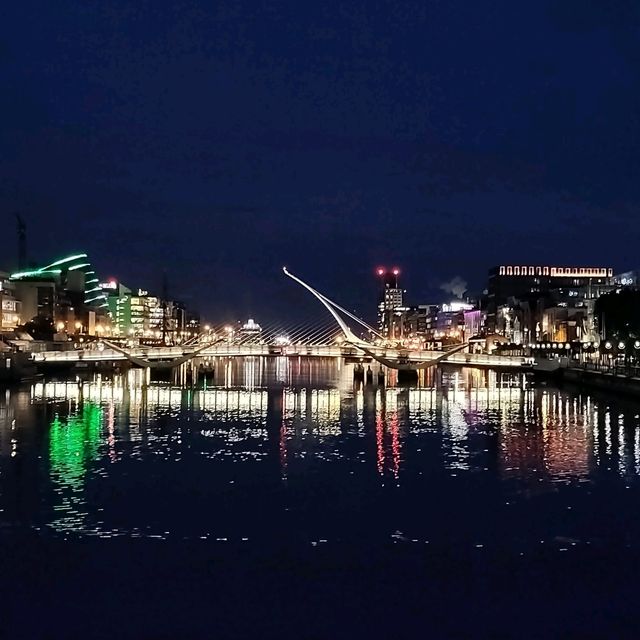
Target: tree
40 328
618 314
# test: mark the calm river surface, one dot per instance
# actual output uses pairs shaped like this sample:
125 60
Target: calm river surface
282 500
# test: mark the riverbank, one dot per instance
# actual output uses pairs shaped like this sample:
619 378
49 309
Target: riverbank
599 380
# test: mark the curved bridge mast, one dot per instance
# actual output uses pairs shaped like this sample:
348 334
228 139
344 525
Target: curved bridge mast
363 345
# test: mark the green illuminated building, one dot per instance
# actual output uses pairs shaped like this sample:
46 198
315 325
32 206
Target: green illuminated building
65 292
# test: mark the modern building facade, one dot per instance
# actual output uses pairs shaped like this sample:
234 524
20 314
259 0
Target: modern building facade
540 303
137 314
64 293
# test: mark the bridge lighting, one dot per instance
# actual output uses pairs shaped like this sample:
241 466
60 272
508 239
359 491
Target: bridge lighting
207 327
380 271
396 271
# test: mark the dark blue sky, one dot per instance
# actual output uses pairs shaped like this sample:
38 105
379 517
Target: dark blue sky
222 140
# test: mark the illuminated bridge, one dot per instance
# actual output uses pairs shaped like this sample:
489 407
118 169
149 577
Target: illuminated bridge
310 340
174 356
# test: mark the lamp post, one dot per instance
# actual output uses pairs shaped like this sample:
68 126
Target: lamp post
607 350
621 352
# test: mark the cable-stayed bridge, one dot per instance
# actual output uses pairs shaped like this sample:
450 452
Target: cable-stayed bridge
329 337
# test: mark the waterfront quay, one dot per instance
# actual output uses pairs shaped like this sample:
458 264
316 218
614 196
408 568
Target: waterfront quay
624 380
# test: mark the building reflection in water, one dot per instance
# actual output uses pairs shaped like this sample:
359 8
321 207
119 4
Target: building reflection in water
73 443
535 431
290 414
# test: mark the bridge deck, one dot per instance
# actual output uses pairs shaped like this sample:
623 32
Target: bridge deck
229 350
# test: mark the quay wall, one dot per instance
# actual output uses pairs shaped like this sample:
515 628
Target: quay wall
602 381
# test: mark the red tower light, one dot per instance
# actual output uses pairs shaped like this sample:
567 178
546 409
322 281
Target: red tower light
396 271
380 271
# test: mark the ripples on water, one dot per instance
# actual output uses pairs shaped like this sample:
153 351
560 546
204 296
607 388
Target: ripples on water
273 450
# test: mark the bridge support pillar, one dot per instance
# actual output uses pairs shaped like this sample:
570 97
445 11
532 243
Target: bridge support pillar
407 376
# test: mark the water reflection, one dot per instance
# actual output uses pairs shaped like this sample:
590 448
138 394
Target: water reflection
79 455
73 444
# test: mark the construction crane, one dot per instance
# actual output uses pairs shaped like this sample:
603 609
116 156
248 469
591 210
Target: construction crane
22 242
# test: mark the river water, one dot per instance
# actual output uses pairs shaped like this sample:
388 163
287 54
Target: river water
282 499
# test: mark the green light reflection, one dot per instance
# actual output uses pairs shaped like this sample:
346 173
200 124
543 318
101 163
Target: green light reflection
73 443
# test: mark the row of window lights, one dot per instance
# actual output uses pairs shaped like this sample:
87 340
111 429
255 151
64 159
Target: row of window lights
545 271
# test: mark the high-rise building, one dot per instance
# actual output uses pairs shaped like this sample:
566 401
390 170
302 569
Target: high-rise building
390 303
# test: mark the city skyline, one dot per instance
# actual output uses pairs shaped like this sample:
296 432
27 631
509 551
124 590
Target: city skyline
456 289
231 141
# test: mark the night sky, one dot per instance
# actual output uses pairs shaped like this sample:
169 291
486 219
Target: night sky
222 140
